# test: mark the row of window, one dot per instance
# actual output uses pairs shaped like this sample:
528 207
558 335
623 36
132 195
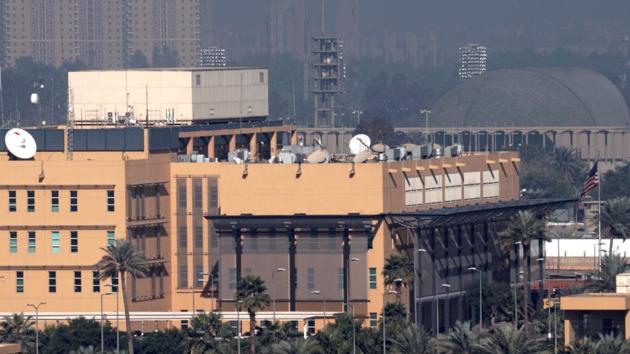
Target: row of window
77 283
54 201
55 241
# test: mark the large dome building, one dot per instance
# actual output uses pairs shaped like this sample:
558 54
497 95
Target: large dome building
547 107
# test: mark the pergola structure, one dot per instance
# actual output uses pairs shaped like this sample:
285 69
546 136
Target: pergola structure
454 240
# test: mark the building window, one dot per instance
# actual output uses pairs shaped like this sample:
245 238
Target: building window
198 80
13 242
472 185
373 320
19 281
74 241
55 241
261 77
12 202
115 283
452 187
110 201
30 201
433 189
32 242
110 238
52 282
491 184
54 201
310 326
413 191
74 201
77 281
340 278
310 278
96 281
373 278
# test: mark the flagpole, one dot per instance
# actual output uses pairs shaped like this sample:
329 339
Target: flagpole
599 216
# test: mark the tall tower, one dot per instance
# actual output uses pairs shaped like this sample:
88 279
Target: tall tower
472 61
327 59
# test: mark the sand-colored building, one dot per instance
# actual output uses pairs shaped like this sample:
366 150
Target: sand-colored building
203 225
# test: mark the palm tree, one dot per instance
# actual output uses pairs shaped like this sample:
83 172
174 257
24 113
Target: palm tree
568 163
412 339
583 346
610 266
615 219
17 328
297 346
120 259
507 339
252 293
462 339
398 267
524 228
610 344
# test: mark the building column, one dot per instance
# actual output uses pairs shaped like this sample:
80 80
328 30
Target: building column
232 143
460 254
211 147
273 144
253 147
346 269
436 302
238 253
190 146
292 269
627 326
569 331
447 300
417 278
294 137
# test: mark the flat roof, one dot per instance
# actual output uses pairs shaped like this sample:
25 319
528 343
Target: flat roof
221 68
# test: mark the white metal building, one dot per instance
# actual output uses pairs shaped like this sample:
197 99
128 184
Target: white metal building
169 95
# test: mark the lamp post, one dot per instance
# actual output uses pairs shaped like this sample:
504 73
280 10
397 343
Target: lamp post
517 273
426 113
238 325
542 291
117 318
36 307
475 269
273 289
102 331
317 292
437 308
389 292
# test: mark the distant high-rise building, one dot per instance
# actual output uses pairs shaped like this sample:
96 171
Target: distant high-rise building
348 27
287 30
328 73
212 57
104 33
472 61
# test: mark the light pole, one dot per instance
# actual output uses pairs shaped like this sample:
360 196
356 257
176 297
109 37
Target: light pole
437 308
475 269
426 113
273 289
117 318
358 113
238 325
389 292
317 292
36 307
354 337
102 331
542 291
517 273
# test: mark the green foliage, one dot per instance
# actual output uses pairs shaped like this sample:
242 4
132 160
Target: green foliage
615 219
610 267
463 339
18 328
297 346
551 174
506 339
498 301
337 337
606 344
209 333
412 339
615 182
379 130
398 266
76 334
251 293
395 312
168 341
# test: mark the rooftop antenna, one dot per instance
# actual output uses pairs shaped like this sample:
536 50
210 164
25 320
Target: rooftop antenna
323 17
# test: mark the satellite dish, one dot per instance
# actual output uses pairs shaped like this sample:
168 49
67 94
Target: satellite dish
380 147
362 156
34 98
20 143
319 156
360 142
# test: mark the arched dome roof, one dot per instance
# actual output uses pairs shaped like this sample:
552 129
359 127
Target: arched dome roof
533 97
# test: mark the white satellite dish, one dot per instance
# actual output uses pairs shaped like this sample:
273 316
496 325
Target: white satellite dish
34 98
362 157
20 143
360 142
319 156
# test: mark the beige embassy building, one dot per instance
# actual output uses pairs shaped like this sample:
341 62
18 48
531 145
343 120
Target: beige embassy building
204 225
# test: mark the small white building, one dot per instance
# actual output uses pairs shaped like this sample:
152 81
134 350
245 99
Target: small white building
169 95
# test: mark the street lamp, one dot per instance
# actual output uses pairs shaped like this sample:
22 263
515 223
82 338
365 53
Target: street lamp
389 292
475 269
115 290
317 292
517 245
426 113
437 308
273 289
102 331
541 260
238 325
36 307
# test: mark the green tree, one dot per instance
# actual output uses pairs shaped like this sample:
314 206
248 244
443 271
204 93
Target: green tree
498 301
252 294
398 266
122 259
462 339
524 228
610 344
17 328
297 346
506 339
272 333
337 337
614 182
412 339
208 333
167 341
76 334
610 266
615 219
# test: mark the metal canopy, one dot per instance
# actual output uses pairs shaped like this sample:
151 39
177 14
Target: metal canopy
358 222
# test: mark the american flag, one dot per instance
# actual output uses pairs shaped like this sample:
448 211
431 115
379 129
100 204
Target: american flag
592 181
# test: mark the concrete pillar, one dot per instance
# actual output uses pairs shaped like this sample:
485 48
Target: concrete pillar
232 143
211 145
569 332
294 137
190 146
627 325
273 143
253 146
